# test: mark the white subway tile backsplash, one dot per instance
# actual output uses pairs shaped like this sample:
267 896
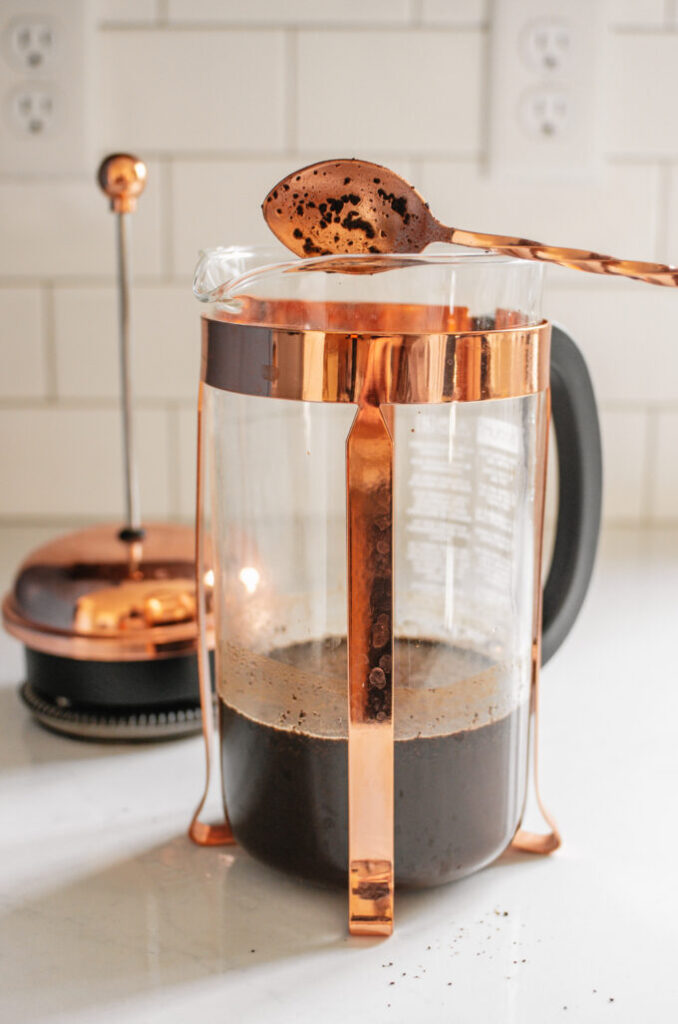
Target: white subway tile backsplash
219 203
290 12
625 500
193 90
665 481
406 92
616 214
455 12
23 373
68 462
166 342
642 81
85 332
624 436
63 227
223 98
627 333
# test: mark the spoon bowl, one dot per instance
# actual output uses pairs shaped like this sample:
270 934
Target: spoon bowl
354 206
348 206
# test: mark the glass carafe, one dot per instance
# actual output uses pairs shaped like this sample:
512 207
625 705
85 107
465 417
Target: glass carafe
374 444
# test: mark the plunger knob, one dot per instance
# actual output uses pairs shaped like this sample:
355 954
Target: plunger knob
122 177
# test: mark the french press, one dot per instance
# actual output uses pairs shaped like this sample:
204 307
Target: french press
373 438
107 614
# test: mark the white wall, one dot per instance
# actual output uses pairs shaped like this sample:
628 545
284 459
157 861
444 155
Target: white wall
222 97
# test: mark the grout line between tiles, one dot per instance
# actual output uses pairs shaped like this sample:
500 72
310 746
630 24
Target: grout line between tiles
126 26
484 105
252 156
417 171
167 218
65 522
173 456
462 28
18 522
32 521
620 158
21 282
91 403
650 466
291 105
49 344
81 282
661 29
637 405
235 155
624 523
416 13
664 201
413 22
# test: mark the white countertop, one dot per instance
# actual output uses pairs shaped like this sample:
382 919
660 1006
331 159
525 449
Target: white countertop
109 913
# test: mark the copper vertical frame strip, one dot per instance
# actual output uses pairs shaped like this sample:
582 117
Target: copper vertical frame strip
200 832
535 842
369 520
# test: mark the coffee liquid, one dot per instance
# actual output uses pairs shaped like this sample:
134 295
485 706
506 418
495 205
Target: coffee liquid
459 759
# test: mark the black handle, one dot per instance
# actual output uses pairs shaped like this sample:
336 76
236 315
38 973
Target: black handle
580 485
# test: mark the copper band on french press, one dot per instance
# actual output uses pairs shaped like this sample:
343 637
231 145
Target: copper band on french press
322 366
374 371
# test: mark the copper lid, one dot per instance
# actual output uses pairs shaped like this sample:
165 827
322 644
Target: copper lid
92 596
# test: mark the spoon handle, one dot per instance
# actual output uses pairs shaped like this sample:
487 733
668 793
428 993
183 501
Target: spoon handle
576 259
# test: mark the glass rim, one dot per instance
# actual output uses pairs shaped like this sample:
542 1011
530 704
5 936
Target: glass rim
282 262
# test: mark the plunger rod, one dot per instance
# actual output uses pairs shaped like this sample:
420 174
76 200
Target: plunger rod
122 177
132 509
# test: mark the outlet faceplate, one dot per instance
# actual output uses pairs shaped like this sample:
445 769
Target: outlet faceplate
34 111
45 86
30 42
545 84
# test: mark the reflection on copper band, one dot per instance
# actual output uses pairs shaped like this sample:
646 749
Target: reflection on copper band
418 367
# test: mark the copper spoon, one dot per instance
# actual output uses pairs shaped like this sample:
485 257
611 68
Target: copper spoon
352 206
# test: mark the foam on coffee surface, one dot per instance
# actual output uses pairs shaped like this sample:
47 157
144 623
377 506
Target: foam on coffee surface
439 689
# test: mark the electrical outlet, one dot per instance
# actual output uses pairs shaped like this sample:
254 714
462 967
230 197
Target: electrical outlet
546 44
545 71
45 86
544 111
30 42
33 111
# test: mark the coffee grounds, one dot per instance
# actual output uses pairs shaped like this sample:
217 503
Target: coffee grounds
284 759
